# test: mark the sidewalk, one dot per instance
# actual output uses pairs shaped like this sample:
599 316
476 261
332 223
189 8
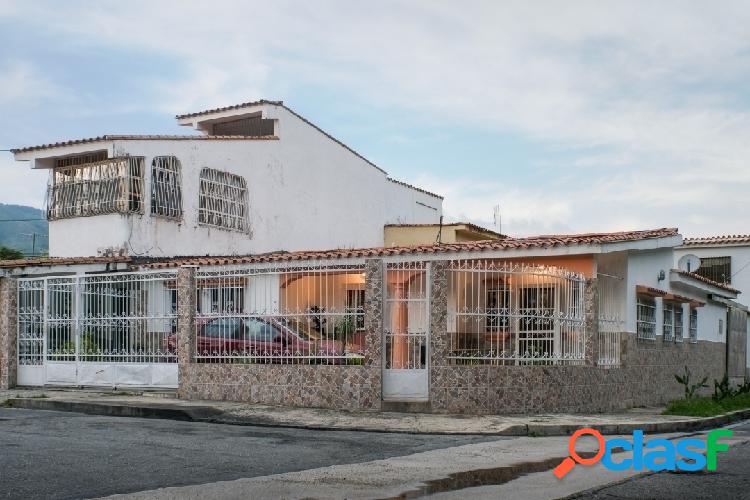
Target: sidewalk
165 405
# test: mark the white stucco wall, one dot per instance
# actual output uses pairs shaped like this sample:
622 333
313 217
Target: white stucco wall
643 269
306 192
740 264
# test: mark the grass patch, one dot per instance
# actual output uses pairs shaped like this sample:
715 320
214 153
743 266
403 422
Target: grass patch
707 407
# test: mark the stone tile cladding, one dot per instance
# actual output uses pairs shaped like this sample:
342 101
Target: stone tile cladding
322 386
8 329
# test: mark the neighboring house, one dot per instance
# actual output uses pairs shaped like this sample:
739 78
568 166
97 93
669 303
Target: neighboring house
257 178
426 234
725 259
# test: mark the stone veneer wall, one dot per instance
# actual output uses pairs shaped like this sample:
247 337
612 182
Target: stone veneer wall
647 378
8 328
324 386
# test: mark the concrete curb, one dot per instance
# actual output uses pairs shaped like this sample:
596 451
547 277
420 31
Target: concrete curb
208 414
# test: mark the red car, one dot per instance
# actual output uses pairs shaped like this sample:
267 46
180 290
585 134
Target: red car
267 338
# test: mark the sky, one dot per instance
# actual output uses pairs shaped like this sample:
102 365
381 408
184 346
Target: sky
571 116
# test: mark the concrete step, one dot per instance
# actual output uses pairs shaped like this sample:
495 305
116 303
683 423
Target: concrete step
406 406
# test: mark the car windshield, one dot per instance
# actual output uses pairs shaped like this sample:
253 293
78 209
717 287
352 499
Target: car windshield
302 330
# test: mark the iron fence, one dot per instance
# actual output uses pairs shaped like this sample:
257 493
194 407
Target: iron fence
611 290
510 313
406 316
117 317
309 315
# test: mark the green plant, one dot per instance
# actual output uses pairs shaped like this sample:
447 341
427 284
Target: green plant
722 389
343 330
690 389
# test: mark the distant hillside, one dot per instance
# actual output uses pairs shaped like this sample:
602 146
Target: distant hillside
15 233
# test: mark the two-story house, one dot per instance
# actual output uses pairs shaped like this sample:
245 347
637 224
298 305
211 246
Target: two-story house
256 177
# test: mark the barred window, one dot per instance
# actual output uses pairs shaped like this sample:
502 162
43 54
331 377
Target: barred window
80 188
223 200
718 269
668 322
693 325
166 187
678 322
646 318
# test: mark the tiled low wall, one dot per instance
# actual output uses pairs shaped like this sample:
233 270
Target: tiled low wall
321 386
646 379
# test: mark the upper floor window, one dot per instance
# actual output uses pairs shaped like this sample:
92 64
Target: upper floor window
166 189
94 186
223 200
678 334
718 269
646 318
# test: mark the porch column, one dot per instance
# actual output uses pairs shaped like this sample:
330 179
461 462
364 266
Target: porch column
439 342
591 325
374 294
186 306
8 332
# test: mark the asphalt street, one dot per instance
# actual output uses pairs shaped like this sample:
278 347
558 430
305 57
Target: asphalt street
48 454
731 480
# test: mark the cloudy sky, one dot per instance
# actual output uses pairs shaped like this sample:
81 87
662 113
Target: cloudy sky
572 116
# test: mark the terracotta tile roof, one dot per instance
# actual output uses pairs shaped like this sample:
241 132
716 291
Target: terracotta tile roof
698 277
62 261
156 137
474 246
727 239
230 108
415 188
471 226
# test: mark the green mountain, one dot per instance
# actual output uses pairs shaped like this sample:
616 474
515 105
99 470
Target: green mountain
17 225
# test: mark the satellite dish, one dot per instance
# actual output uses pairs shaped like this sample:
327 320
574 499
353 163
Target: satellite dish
689 263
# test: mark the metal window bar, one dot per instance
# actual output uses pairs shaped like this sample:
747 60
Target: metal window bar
223 200
693 330
31 319
166 187
677 314
406 316
646 318
508 313
668 322
611 291
718 269
118 317
287 315
108 186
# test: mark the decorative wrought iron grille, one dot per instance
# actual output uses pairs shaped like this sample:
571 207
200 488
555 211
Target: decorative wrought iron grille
693 330
120 317
406 316
113 185
677 314
506 313
668 322
309 315
31 321
223 200
166 187
646 318
611 318
718 269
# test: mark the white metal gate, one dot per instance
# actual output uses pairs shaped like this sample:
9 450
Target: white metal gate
98 330
406 333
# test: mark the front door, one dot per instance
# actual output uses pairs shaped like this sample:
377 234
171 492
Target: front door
406 333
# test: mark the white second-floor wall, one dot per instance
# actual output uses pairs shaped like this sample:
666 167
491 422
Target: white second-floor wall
305 192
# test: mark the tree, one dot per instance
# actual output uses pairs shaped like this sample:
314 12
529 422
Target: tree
9 253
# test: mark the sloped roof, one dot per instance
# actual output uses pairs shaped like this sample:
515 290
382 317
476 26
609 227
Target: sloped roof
727 239
151 137
469 225
548 241
708 281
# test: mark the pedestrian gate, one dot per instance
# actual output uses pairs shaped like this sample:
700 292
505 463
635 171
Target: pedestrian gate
98 330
